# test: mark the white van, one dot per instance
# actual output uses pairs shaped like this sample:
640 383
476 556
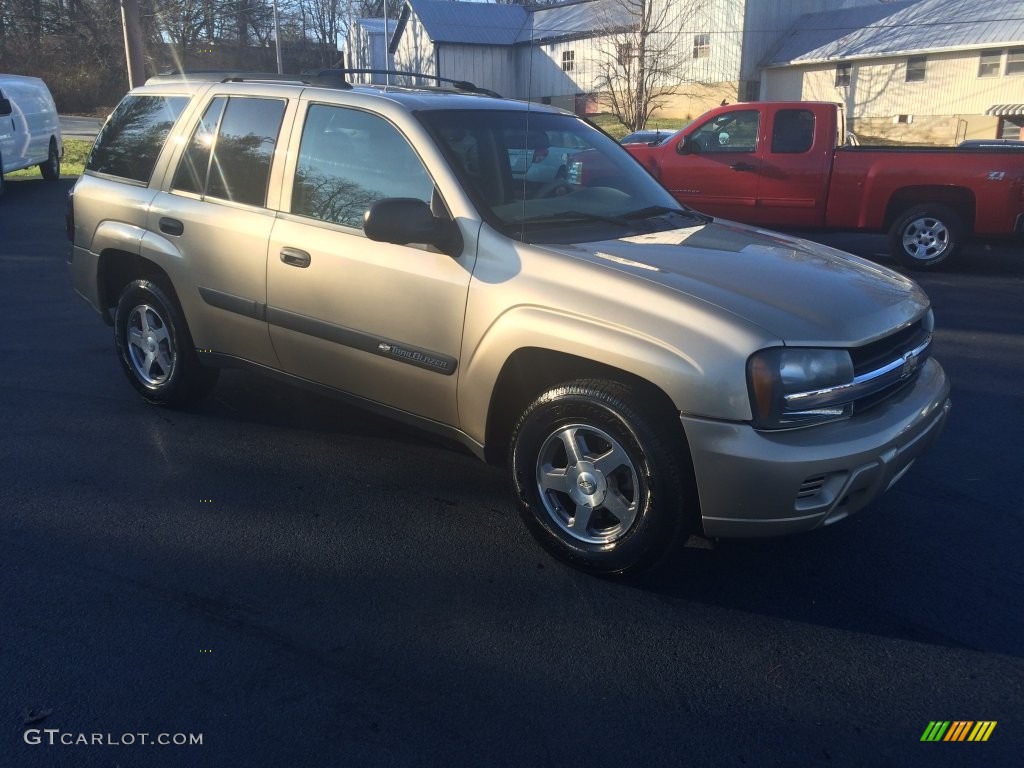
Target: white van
29 127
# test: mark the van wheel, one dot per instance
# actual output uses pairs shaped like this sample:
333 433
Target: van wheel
3 184
155 347
925 236
602 481
51 168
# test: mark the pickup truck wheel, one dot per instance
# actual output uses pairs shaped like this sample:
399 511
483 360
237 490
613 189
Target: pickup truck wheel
926 236
600 479
155 347
51 168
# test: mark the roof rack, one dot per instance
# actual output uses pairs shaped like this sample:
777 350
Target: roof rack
327 77
458 85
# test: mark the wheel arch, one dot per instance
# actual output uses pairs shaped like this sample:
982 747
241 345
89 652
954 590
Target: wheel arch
960 199
530 371
117 267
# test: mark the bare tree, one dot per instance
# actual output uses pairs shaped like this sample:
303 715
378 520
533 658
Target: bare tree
642 56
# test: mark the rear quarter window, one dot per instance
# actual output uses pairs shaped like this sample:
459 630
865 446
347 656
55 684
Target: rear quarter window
131 140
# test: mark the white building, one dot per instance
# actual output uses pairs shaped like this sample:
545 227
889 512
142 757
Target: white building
936 71
552 53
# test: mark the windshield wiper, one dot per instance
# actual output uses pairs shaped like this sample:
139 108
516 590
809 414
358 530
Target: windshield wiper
561 217
660 210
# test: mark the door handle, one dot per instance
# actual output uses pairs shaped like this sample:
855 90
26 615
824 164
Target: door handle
171 226
295 258
742 166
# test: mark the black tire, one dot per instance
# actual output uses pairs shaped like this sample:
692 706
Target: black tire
51 168
3 182
155 347
631 475
925 236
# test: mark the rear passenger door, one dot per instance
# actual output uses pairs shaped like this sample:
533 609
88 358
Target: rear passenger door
377 320
215 212
793 187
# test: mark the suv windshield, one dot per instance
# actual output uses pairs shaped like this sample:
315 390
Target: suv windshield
548 177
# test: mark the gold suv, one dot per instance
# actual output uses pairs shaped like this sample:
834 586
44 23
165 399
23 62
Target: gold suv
646 372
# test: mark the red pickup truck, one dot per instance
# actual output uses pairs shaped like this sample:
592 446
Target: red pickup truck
791 165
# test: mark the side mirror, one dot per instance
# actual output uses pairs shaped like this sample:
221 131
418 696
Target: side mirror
5 107
404 220
687 146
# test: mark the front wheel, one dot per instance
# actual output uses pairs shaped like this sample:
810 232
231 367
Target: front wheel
155 347
925 236
51 168
602 481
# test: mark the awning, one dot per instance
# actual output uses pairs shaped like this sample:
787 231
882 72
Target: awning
1005 109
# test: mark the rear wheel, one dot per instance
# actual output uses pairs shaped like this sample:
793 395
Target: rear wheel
51 168
925 236
602 481
3 184
155 347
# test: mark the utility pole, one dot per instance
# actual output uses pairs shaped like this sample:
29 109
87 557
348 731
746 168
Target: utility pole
277 40
133 43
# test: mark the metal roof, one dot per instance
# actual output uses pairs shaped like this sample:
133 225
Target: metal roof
581 18
376 26
451 21
889 29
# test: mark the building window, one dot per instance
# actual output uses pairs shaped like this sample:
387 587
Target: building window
916 66
904 119
624 52
1015 61
701 46
1011 128
568 61
843 75
989 63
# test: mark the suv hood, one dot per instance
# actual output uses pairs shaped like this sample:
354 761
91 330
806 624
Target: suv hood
802 292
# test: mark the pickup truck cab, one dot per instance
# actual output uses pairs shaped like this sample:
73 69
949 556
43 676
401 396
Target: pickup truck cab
789 165
29 128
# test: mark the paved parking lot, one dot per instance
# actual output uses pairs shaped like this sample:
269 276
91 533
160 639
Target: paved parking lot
305 585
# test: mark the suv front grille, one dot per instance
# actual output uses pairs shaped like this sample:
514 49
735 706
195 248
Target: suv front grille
892 363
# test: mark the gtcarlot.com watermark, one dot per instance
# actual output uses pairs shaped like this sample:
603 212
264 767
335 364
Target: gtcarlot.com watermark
55 737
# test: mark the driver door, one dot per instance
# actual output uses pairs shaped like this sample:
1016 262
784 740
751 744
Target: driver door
719 173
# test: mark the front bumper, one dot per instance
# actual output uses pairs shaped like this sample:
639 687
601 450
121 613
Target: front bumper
755 483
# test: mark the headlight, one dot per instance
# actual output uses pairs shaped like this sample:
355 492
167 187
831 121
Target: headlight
792 387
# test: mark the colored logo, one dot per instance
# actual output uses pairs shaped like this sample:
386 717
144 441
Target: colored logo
958 730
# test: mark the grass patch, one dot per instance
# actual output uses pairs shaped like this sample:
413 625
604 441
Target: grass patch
610 124
75 152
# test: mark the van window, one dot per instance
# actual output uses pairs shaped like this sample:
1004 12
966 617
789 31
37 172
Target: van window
347 160
231 150
131 140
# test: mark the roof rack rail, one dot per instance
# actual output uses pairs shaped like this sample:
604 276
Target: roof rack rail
458 85
230 76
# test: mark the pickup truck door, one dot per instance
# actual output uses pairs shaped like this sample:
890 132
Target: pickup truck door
719 173
380 321
794 170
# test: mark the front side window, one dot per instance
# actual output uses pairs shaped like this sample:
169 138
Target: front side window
843 72
130 142
989 63
349 159
231 151
731 132
916 67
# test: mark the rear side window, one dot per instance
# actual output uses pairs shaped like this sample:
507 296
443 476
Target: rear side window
231 150
131 140
794 131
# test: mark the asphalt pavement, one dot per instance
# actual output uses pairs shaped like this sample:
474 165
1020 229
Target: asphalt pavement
298 583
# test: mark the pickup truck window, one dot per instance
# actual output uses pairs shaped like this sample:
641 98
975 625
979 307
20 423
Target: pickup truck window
347 160
130 141
731 132
793 133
